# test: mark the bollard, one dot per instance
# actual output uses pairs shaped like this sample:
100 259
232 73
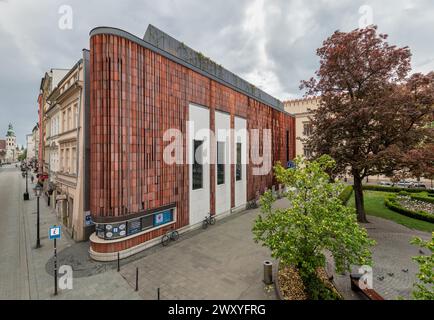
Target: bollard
137 279
268 272
119 265
158 294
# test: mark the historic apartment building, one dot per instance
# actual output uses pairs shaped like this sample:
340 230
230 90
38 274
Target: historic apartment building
302 109
48 83
65 148
2 151
140 88
30 147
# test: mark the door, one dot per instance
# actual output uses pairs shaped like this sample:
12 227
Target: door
198 156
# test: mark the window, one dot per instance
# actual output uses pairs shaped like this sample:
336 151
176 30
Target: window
67 160
307 152
287 145
307 128
69 119
197 165
62 160
74 159
220 163
238 165
64 121
75 116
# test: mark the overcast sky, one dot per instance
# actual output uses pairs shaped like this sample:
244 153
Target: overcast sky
270 43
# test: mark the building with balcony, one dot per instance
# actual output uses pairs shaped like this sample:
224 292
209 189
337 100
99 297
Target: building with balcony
66 123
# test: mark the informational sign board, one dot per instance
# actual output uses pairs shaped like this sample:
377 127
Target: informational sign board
54 232
290 165
162 217
87 218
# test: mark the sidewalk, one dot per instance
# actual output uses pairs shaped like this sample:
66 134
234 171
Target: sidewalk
91 280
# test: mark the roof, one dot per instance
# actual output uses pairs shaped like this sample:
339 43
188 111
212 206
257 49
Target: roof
167 46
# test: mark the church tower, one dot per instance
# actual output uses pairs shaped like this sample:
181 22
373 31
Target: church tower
11 145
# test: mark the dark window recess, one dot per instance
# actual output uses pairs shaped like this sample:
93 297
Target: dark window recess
197 165
287 145
147 222
134 226
239 175
220 163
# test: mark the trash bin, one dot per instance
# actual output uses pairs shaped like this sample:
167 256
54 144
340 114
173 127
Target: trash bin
268 272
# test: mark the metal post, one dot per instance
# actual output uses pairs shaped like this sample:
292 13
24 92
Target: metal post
119 265
26 194
137 279
38 241
55 268
158 294
268 272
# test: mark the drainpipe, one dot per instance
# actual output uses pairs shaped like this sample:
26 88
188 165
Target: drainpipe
77 157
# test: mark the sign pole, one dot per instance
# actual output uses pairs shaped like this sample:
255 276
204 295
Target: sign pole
55 268
54 234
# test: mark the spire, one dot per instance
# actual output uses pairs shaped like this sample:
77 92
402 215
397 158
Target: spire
11 132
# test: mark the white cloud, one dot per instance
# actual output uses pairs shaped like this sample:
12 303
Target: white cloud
270 43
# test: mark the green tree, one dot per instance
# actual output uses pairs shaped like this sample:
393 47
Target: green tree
373 112
23 156
315 221
425 286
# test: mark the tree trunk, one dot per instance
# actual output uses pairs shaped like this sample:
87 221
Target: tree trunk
358 195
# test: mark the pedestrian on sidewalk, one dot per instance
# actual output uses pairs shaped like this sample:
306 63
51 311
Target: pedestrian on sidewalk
32 178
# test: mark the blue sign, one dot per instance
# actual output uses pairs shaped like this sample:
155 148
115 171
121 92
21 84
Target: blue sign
163 218
54 232
290 165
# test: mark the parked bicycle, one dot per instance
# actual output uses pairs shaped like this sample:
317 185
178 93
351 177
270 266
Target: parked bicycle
209 220
170 235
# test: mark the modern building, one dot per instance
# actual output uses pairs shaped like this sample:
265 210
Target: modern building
141 89
68 150
302 109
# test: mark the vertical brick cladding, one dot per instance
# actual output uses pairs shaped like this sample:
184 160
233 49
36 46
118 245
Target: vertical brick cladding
136 94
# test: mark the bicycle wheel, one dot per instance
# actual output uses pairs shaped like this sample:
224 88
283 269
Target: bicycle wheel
212 221
165 240
204 224
174 235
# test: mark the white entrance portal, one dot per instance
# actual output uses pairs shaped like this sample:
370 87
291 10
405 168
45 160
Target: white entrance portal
199 168
240 160
223 161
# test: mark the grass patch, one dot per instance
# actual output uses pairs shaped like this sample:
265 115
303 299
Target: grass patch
374 206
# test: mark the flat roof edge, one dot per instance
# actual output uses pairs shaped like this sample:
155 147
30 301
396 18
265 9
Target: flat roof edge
276 104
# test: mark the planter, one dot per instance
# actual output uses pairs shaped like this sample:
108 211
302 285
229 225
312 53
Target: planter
301 295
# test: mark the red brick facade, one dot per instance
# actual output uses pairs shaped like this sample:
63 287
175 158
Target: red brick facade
137 94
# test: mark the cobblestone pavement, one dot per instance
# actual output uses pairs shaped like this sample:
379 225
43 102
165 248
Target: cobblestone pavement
394 272
221 262
26 272
13 252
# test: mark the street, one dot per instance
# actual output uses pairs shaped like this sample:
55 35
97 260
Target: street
14 274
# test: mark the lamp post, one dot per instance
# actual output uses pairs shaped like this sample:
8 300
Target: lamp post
26 194
38 192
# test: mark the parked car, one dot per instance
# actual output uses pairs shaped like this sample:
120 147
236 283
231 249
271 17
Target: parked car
404 184
417 185
385 183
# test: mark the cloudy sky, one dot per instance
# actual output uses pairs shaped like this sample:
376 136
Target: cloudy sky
270 43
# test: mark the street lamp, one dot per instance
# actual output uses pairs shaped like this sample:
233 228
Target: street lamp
26 194
38 193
